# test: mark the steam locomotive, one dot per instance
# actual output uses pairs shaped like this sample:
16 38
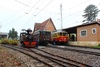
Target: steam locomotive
26 39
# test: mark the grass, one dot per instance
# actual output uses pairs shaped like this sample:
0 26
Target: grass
96 47
0 41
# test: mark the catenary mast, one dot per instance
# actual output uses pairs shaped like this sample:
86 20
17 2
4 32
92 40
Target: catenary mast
61 16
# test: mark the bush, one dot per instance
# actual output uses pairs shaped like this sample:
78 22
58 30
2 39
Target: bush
4 41
11 42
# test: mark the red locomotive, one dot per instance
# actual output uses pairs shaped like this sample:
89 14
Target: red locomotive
26 39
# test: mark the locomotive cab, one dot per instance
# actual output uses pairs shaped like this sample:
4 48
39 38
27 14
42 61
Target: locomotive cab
22 37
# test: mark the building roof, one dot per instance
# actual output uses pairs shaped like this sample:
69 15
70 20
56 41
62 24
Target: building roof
86 24
3 33
74 28
41 26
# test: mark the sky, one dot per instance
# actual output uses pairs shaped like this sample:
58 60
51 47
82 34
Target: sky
23 14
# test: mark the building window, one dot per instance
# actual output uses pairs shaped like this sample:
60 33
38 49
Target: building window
94 31
83 33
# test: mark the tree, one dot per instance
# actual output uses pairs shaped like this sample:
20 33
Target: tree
13 34
91 13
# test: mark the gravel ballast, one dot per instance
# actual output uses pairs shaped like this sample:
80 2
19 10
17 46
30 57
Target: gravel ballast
12 58
80 57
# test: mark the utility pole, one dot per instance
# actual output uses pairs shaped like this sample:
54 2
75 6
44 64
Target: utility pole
0 26
61 16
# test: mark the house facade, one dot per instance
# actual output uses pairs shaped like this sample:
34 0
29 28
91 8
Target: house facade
47 25
90 32
87 34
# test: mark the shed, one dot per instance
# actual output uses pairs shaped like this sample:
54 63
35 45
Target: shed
3 35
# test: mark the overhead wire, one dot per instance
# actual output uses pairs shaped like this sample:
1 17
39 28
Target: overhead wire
34 5
20 10
16 14
14 20
77 5
68 9
21 3
38 12
33 12
30 1
44 7
78 11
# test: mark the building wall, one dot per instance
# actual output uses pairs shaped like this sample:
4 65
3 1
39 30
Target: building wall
98 35
50 27
90 36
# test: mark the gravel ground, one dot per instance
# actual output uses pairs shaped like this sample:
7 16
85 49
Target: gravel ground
9 60
20 60
80 57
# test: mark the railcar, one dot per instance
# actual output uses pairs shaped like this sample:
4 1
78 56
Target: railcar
42 37
59 37
26 39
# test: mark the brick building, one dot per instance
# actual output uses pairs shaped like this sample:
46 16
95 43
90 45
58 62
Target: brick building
86 34
47 25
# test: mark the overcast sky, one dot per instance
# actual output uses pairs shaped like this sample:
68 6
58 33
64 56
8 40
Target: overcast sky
22 14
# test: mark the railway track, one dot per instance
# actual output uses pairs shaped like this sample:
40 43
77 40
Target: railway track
61 59
77 50
28 53
48 59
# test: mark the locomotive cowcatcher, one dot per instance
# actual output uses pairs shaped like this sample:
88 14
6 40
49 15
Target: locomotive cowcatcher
26 39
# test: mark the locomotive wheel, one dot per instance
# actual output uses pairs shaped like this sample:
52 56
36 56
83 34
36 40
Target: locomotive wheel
23 45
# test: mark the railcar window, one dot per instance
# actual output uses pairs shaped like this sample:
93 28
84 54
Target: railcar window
61 34
64 34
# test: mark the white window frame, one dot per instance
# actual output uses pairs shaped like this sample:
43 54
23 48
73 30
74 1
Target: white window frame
81 32
95 31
